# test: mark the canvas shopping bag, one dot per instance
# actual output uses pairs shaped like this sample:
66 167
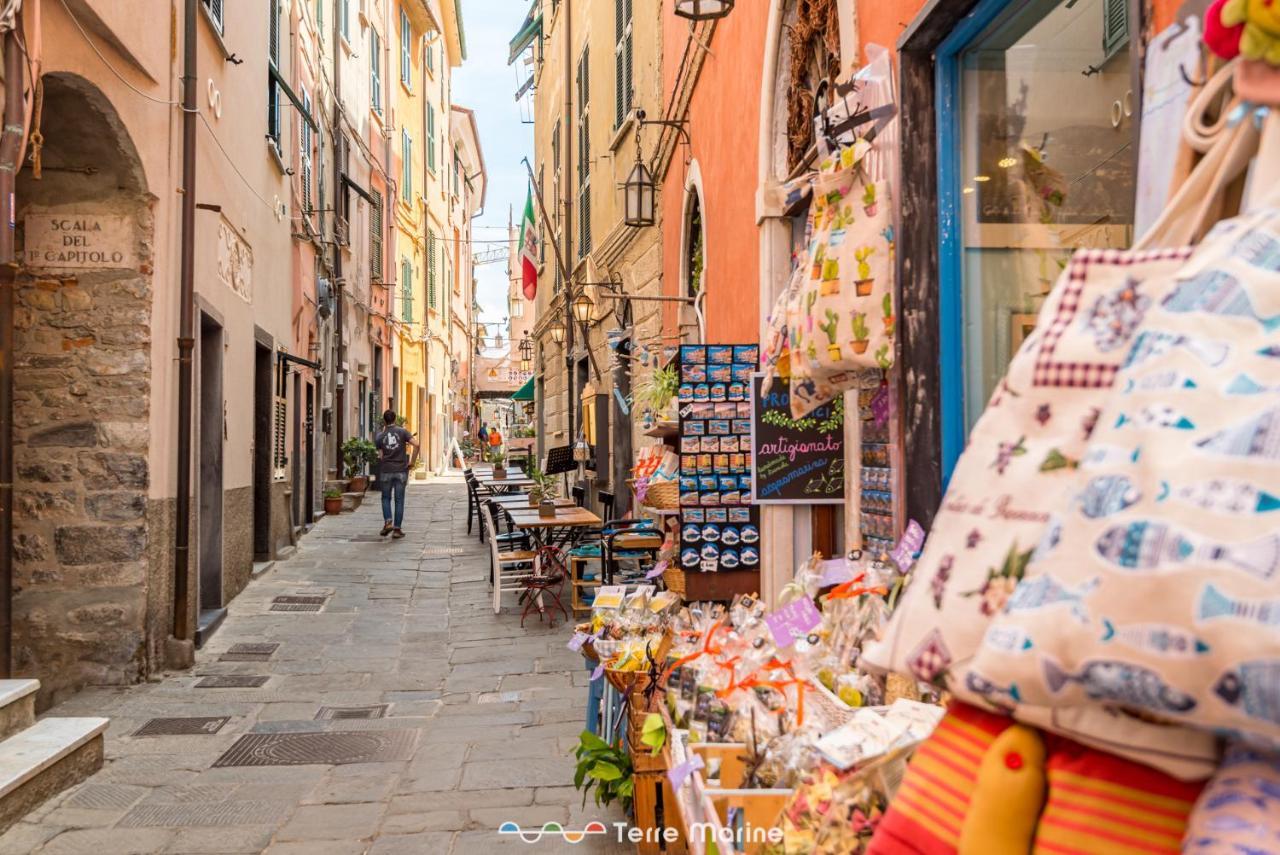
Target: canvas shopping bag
844 319
1169 548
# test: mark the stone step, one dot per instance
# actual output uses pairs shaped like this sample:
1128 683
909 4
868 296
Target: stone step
17 705
351 501
45 759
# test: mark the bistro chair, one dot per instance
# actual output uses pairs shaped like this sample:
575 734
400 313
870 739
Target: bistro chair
547 581
509 569
473 501
634 542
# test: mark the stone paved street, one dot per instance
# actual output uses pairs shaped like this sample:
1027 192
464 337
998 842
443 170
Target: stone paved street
480 715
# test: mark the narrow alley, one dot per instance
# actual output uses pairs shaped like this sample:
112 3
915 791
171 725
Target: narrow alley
400 716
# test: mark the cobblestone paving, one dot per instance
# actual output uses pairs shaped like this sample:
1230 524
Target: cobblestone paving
478 728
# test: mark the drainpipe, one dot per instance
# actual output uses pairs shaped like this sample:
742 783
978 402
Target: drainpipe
339 397
568 183
10 153
186 323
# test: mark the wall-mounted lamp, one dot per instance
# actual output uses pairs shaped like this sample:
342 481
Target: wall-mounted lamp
639 194
557 332
703 10
582 308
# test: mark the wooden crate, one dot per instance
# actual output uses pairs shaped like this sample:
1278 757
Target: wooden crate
714 587
655 810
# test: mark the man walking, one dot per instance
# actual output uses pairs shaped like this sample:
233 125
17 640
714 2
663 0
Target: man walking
393 444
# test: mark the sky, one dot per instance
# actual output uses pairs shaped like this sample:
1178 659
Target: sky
486 84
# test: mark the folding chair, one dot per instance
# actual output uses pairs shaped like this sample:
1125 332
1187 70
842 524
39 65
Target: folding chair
473 501
546 581
509 570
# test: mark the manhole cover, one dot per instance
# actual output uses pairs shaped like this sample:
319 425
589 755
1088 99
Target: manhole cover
300 600
230 681
181 726
248 653
329 749
330 713
295 607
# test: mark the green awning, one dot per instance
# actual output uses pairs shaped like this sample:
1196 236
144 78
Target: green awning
525 392
529 30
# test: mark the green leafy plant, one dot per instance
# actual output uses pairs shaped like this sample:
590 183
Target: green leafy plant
497 457
544 486
605 767
656 393
358 454
333 494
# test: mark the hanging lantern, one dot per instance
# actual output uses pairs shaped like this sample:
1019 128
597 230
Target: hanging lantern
582 450
557 332
703 10
526 353
639 194
582 306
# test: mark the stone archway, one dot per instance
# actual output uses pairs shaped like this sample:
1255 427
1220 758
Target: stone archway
82 384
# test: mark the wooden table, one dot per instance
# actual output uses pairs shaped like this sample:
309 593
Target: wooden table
521 500
552 531
513 482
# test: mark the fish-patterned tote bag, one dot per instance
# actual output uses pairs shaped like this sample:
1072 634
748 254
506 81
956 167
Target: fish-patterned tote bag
844 320
1157 586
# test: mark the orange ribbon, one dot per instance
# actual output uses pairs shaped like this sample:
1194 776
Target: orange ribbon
847 591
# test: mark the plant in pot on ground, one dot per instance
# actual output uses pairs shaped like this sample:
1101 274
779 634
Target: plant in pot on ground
332 502
498 458
360 455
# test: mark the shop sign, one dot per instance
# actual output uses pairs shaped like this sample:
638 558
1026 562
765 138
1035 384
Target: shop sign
796 460
79 241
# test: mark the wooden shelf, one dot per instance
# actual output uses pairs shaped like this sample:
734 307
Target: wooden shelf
664 430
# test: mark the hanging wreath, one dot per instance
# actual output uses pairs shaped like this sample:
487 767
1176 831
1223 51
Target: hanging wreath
814 40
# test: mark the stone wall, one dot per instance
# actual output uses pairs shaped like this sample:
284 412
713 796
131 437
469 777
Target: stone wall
237 541
82 387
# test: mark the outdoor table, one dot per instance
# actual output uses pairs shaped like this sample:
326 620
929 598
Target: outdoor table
552 531
513 482
521 500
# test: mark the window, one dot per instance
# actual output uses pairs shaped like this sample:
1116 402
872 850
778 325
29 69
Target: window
214 8
304 141
375 236
584 154
344 18
406 290
1021 184
406 58
375 71
622 61
319 18
431 136
406 166
457 168
273 72
431 268
431 56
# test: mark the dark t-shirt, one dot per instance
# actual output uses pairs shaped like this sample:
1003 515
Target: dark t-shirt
394 445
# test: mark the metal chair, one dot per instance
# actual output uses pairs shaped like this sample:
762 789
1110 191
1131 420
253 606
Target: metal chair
508 570
547 580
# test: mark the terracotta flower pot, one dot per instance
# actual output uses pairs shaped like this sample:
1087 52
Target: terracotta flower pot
860 347
864 287
333 507
499 473
533 502
358 484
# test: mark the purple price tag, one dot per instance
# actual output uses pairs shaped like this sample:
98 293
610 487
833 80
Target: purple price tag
680 773
658 570
880 407
836 572
793 621
579 639
905 552
598 673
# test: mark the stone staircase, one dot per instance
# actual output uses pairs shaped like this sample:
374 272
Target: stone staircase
39 759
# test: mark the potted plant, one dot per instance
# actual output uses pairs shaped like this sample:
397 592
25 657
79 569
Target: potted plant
864 281
499 460
869 200
861 335
659 391
887 306
359 454
333 502
542 494
833 349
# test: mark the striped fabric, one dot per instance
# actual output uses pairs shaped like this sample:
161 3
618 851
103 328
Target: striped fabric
928 811
1100 804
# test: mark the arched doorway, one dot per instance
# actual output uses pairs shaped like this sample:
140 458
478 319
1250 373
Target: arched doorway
86 597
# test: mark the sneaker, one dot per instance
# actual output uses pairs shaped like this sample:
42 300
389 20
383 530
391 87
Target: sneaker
386 529
397 533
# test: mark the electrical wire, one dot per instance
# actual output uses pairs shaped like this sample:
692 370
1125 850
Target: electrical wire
111 67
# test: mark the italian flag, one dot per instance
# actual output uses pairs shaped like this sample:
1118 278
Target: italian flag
529 249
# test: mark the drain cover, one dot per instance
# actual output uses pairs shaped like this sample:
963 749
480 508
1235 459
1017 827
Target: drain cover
248 653
441 551
329 749
230 681
330 713
181 726
295 607
301 601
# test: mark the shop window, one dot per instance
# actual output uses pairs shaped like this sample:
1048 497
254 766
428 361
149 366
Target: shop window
1035 161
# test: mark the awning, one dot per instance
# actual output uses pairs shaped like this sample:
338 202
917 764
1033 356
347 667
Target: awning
525 392
529 30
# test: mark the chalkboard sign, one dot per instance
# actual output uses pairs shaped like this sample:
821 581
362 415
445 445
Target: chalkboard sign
797 461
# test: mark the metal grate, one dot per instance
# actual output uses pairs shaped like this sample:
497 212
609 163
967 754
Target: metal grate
231 681
181 726
329 749
298 603
372 711
249 652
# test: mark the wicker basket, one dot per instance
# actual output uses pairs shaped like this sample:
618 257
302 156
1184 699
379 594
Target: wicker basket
663 495
674 578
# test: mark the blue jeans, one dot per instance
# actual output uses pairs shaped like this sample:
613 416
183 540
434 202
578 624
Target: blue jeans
393 481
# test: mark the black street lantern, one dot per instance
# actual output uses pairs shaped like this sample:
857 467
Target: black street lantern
557 332
526 353
703 10
639 195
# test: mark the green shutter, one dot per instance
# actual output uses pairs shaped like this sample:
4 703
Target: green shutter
1115 27
431 268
